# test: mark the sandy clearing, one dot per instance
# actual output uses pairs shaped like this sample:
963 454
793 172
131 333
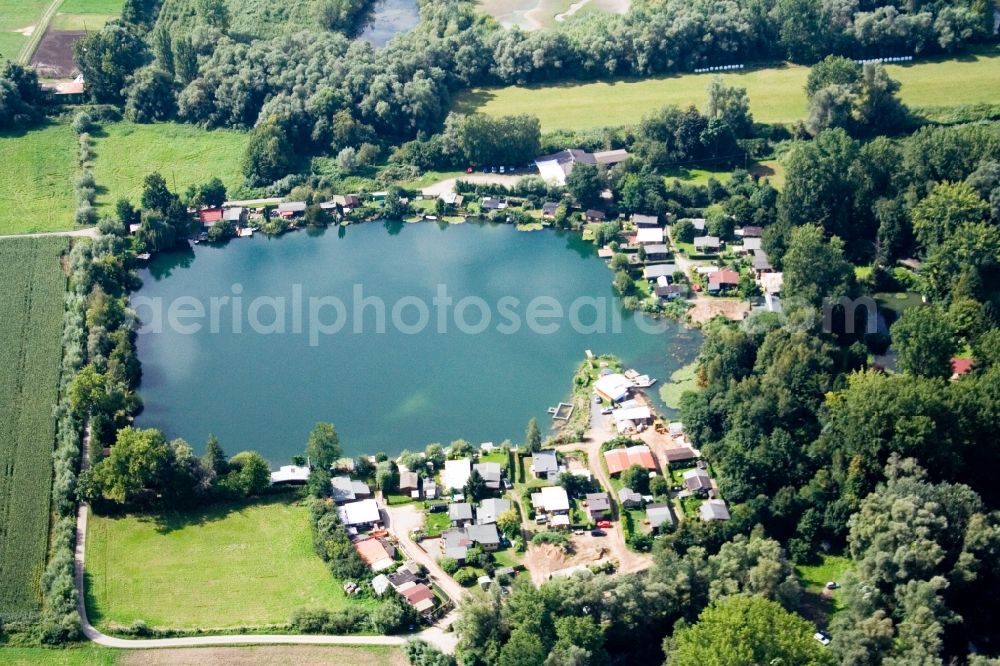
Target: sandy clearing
707 308
27 32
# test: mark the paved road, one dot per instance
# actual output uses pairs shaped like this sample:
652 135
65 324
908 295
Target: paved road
89 232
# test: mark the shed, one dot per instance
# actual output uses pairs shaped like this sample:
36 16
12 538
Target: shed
658 514
629 498
649 235
713 509
645 221
460 513
597 504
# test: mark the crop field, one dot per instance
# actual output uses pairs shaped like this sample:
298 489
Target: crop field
776 94
259 19
18 20
227 565
31 311
183 154
37 186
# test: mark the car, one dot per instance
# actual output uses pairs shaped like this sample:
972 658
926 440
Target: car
604 523
437 508
469 170
578 532
541 519
606 410
832 585
822 638
597 399
597 533
502 169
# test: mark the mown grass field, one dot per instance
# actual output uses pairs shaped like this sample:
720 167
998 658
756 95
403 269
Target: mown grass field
183 154
16 19
776 94
31 311
86 14
37 185
228 565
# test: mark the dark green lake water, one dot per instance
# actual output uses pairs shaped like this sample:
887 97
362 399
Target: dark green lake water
388 390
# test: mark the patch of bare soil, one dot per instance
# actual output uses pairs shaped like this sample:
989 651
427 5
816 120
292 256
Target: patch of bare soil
706 308
270 655
54 56
544 560
26 31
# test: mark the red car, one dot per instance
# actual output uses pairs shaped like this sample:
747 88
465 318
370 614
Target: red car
604 523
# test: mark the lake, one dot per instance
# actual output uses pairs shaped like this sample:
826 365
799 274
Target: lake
266 361
387 19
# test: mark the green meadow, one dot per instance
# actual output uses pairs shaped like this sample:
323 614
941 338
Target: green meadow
776 94
37 187
222 566
17 20
183 154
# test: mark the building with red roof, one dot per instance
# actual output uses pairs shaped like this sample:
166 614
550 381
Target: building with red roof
960 366
620 460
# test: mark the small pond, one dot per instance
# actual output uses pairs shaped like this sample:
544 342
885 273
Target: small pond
387 19
468 345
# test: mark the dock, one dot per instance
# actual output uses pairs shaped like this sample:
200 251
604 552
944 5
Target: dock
561 412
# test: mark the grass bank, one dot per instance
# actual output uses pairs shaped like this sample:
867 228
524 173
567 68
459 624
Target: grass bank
776 94
31 320
228 565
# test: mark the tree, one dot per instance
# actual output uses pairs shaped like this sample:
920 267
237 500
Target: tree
507 140
214 458
731 106
22 99
741 630
579 642
211 193
815 269
270 152
925 341
533 437
107 58
683 231
586 182
387 477
150 96
250 474
421 653
523 648
475 487
155 195
945 209
659 487
509 524
138 462
214 13
434 453
323 447
636 477
832 71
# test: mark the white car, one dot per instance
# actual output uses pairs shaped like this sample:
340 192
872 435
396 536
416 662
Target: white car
822 638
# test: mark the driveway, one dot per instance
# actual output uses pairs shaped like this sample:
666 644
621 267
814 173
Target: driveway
599 431
402 521
448 184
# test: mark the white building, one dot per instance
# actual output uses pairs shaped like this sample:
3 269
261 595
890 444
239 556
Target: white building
456 473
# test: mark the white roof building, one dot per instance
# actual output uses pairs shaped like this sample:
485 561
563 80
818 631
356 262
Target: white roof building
614 387
364 512
648 235
555 499
456 473
290 474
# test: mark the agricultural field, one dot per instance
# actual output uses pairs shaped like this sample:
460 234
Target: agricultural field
183 154
260 19
269 655
540 14
37 187
221 566
776 94
31 313
18 21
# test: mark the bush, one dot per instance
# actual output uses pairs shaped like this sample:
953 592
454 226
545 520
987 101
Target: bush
448 565
465 577
555 538
321 621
